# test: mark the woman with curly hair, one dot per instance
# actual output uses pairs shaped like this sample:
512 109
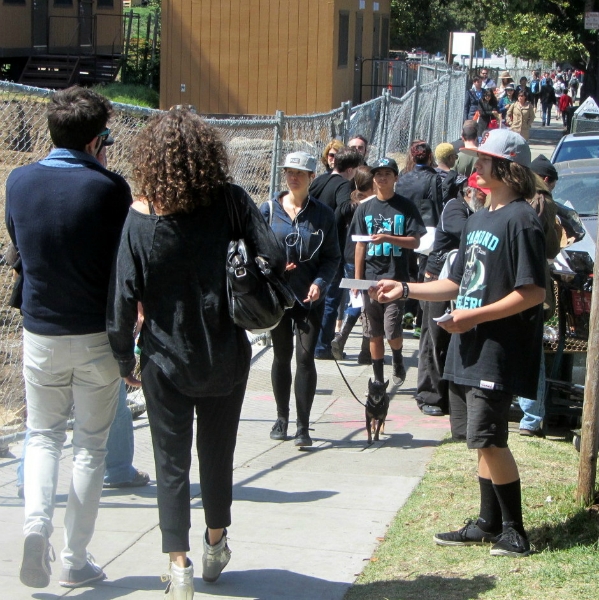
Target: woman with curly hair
194 359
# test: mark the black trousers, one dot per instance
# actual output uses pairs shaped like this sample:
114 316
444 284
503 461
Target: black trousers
432 389
171 417
306 325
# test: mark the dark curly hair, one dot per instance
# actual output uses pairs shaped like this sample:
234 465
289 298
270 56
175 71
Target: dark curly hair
180 162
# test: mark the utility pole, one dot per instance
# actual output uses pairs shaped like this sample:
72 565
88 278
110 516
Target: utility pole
589 437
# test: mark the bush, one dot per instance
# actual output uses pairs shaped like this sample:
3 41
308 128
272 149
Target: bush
128 93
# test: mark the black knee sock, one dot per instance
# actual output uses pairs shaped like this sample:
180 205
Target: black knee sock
489 519
510 499
397 356
378 367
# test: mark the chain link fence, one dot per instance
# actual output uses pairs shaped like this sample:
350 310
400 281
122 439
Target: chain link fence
256 147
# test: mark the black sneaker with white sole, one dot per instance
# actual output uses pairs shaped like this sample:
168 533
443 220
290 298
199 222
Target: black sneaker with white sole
469 535
511 543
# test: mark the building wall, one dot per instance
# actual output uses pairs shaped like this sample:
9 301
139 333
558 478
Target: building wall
16 36
257 56
15 25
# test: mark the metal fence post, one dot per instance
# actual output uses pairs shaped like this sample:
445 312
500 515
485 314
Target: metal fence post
385 127
414 114
277 150
431 126
447 105
346 120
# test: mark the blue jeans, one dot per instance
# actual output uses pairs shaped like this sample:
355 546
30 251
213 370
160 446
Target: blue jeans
120 445
534 410
119 457
331 306
546 112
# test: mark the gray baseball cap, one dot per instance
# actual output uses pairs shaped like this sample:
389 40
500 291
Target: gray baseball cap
301 161
503 143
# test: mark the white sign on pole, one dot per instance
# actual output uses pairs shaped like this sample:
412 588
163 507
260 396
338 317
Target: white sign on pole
462 43
591 20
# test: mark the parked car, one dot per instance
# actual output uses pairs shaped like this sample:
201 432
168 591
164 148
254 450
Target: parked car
576 146
578 187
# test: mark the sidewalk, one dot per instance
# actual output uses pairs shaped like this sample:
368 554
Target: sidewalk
304 522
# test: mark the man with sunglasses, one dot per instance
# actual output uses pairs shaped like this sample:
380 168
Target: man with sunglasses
64 214
487 82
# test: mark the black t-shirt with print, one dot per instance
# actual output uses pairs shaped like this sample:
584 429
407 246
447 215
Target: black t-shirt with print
397 216
500 251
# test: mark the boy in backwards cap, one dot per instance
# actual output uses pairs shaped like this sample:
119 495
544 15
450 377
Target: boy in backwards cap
498 281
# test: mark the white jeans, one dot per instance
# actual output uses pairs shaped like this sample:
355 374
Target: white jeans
61 371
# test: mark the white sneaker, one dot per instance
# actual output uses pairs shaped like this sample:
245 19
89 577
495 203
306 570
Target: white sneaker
215 558
180 586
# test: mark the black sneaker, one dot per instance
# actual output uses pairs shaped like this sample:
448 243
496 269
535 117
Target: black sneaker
364 358
399 372
279 430
511 543
469 535
302 437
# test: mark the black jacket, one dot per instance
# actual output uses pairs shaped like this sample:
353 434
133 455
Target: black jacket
548 94
175 266
422 186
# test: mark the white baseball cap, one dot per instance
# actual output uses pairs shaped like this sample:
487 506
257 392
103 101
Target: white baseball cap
503 143
301 161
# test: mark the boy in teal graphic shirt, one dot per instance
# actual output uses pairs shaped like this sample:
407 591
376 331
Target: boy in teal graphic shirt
395 226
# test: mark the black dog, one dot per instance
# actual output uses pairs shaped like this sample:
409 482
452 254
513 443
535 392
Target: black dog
377 406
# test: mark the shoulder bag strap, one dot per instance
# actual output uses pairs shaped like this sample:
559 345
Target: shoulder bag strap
233 211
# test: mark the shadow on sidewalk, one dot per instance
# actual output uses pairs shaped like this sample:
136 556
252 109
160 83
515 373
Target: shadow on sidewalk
261 584
425 586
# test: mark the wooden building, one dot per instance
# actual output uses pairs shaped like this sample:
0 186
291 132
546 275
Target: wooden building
61 34
259 56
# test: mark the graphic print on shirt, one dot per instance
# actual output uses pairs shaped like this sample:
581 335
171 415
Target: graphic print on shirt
381 224
478 243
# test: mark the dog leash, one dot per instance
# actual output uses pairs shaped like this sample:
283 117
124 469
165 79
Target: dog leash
347 383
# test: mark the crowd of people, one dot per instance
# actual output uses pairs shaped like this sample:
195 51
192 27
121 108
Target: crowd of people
514 106
100 265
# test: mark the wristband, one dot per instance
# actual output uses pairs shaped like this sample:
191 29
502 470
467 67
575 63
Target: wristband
406 290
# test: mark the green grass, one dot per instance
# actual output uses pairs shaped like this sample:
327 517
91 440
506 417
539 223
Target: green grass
138 95
565 565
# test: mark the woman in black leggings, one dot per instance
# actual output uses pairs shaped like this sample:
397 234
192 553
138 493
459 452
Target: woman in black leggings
305 228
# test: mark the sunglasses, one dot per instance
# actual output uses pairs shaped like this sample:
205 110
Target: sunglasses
103 135
332 154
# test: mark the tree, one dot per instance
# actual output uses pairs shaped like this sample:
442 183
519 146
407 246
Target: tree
529 29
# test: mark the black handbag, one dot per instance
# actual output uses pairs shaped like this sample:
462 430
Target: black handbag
257 297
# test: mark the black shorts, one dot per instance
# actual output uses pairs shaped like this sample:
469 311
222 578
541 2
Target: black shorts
487 417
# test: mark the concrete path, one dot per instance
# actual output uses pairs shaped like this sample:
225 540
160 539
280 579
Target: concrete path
304 521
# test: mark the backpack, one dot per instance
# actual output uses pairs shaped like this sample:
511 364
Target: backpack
535 86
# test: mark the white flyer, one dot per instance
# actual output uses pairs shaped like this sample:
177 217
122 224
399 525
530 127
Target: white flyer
442 319
361 238
357 284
